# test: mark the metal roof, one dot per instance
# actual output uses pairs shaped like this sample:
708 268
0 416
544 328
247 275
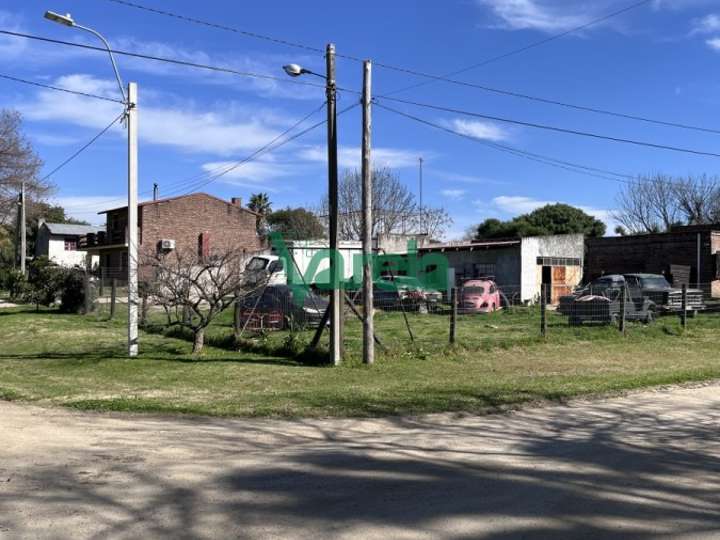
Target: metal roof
72 229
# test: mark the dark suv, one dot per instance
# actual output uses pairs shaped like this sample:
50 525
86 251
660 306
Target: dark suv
667 298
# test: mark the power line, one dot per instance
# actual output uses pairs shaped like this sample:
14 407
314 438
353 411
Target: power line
83 148
175 61
569 105
512 52
445 78
246 33
554 162
226 169
270 148
59 89
555 128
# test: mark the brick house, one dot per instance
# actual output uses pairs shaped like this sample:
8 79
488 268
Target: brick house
687 254
197 221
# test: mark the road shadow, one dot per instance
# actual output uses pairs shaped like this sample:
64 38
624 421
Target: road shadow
562 472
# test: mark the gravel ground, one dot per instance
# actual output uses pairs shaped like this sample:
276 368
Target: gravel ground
644 465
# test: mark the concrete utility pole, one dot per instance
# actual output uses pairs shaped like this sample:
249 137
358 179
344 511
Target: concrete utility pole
132 128
22 228
368 323
335 297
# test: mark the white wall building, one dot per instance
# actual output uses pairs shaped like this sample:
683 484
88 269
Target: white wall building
59 243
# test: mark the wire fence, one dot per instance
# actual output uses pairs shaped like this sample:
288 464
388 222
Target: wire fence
278 318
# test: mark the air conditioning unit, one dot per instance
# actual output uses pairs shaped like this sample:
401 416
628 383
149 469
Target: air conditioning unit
167 245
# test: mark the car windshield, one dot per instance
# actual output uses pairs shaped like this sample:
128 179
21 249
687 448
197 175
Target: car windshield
256 263
655 283
475 289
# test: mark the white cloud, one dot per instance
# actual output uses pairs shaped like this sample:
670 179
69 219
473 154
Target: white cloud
714 43
87 207
11 47
222 132
453 193
706 25
252 174
536 15
480 129
349 156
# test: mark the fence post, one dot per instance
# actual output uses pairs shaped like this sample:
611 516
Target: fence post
236 316
453 313
621 319
543 310
683 313
143 307
113 295
86 287
101 288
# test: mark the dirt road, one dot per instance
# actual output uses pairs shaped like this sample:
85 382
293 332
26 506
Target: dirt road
645 465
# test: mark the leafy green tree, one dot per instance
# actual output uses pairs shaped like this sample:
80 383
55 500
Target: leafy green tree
548 220
296 224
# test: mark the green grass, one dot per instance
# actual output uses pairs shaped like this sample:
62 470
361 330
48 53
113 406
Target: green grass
499 360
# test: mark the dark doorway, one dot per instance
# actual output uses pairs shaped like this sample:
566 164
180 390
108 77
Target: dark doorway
547 282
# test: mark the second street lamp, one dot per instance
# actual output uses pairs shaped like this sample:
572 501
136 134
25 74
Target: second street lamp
130 103
295 70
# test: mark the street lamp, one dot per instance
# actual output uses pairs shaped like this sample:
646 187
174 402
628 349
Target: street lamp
130 103
67 20
294 70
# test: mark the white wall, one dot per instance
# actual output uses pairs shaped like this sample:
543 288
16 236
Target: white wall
57 254
562 245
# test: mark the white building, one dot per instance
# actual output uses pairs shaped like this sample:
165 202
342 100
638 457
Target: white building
59 243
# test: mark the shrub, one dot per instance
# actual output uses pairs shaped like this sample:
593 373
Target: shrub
72 297
45 280
14 282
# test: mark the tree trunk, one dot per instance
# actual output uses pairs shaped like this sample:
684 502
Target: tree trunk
199 341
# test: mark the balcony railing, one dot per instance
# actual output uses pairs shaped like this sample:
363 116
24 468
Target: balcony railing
103 239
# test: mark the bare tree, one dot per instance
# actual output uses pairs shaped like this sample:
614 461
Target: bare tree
655 203
394 207
698 198
194 289
18 163
648 205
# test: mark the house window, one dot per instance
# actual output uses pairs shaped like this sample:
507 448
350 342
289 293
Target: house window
71 244
558 261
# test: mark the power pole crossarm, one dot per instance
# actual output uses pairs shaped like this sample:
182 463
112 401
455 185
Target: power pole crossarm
368 323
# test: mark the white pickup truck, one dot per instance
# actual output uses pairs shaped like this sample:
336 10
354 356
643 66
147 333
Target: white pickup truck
271 268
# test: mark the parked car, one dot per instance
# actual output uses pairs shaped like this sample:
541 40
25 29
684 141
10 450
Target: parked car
389 292
601 302
479 296
667 298
274 308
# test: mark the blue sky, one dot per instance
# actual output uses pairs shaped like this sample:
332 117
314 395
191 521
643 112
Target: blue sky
660 61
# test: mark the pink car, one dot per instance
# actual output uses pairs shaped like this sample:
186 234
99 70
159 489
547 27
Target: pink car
479 296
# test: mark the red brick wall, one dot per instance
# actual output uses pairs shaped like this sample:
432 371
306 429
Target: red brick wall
185 219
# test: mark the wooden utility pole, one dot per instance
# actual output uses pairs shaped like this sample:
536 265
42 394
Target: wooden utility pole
335 298
368 323
23 231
